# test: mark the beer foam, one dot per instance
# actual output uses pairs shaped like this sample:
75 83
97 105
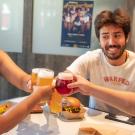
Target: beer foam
65 76
35 70
46 73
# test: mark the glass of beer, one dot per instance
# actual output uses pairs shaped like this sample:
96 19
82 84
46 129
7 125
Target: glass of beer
34 75
45 77
63 79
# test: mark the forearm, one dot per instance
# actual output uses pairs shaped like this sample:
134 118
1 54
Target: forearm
18 112
19 79
24 82
124 101
13 73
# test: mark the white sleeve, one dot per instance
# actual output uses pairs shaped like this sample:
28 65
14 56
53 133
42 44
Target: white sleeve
80 65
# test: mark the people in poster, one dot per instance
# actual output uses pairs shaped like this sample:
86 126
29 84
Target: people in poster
76 23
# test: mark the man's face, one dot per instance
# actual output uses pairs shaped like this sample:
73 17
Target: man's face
112 41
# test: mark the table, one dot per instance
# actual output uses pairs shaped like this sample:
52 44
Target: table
36 124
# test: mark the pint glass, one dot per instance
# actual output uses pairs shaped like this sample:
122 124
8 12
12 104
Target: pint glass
45 77
34 75
42 77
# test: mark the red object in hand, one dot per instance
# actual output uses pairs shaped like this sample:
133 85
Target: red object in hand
62 81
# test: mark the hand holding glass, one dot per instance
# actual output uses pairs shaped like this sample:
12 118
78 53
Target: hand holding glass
63 79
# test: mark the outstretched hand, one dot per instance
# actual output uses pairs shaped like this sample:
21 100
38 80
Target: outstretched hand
29 86
80 85
45 92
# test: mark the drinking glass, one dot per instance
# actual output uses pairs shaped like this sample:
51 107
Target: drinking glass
45 77
34 75
63 79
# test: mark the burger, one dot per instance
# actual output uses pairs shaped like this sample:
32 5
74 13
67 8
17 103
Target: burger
71 104
72 108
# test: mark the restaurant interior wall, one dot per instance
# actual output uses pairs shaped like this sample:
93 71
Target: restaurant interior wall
11 25
47 25
27 60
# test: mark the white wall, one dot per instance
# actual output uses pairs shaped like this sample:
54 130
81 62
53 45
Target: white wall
11 25
47 38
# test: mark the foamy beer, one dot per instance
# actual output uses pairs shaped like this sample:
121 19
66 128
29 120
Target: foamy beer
34 75
63 79
45 77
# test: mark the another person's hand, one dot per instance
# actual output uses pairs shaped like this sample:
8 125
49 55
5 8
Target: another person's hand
80 85
29 86
45 92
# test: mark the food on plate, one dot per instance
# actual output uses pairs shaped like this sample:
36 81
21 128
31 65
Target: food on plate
88 131
72 108
5 106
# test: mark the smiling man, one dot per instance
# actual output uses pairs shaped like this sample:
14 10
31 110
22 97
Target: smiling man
112 66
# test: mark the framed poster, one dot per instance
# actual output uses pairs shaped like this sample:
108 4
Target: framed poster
48 33
77 23
47 27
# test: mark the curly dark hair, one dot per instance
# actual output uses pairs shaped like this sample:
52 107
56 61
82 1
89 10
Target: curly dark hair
119 18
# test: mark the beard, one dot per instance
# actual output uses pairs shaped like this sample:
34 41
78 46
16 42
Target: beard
113 55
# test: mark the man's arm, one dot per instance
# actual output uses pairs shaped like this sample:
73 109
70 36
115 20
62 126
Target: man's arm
12 72
18 112
122 100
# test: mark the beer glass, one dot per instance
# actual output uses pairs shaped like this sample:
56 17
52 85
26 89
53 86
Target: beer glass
45 77
63 79
34 75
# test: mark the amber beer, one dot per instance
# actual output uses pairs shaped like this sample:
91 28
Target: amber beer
34 76
55 102
45 77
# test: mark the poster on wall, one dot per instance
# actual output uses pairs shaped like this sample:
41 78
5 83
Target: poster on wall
77 23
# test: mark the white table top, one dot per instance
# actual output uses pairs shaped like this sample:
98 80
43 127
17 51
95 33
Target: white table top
36 124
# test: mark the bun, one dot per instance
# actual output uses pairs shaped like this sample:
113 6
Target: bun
71 102
72 108
88 131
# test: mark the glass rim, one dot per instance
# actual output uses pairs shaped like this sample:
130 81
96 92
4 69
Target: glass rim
45 73
65 76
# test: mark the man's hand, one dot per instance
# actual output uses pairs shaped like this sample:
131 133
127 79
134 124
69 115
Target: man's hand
80 85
